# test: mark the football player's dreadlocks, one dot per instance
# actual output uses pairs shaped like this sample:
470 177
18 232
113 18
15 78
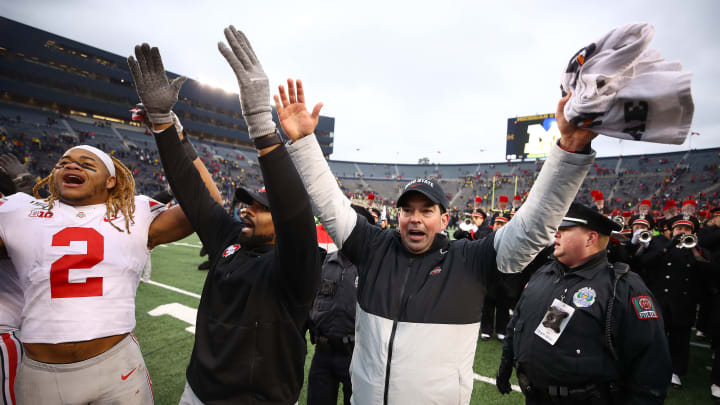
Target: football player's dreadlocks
121 198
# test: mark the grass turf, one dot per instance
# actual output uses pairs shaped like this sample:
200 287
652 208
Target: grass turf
166 345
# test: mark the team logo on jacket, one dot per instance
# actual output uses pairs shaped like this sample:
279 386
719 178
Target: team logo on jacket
644 307
435 271
584 297
230 250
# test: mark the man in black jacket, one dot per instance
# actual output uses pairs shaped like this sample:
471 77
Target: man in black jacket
250 342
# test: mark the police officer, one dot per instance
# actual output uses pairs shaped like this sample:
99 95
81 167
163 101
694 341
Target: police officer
584 329
677 273
332 327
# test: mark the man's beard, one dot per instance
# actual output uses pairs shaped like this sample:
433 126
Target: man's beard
254 240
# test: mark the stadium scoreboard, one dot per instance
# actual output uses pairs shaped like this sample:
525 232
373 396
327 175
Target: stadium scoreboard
531 137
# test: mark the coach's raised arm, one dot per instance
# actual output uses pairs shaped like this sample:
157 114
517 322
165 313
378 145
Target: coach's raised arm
533 226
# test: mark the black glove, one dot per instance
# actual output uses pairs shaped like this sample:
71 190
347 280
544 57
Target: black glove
460 234
502 380
673 242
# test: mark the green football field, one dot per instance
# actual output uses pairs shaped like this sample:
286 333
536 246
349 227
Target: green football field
166 314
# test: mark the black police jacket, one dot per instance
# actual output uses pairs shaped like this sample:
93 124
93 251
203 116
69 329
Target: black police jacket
333 311
579 357
250 334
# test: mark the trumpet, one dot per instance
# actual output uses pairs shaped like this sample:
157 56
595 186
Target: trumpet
619 220
645 236
466 224
688 241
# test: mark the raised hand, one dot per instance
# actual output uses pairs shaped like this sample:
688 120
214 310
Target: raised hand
253 83
294 117
156 92
17 172
572 138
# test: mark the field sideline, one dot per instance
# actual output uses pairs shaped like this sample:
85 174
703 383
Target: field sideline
167 340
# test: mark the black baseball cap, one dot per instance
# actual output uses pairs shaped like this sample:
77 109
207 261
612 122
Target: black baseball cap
581 215
247 196
427 187
364 212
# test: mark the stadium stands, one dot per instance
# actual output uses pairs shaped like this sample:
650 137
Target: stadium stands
40 135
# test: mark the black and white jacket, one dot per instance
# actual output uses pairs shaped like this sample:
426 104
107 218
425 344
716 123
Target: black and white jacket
418 316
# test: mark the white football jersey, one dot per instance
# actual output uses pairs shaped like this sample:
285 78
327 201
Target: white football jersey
11 297
79 274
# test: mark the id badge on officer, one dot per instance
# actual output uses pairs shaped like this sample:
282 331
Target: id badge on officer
554 322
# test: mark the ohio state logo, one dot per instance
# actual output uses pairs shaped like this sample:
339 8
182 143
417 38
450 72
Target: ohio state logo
231 250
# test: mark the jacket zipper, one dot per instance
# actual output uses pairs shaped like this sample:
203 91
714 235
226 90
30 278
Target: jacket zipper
392 334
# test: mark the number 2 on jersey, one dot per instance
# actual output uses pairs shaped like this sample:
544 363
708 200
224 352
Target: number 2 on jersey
60 285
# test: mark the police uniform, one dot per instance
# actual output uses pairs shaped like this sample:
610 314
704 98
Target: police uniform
571 341
332 327
332 330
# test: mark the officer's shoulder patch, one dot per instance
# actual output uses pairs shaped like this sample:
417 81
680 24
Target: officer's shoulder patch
644 307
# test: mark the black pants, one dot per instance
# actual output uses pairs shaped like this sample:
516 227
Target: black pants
495 313
679 342
327 370
715 373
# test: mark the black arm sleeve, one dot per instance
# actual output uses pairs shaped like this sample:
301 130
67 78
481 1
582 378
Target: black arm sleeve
209 219
296 248
482 254
709 237
642 344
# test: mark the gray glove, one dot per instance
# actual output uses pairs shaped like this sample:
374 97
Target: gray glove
17 172
253 82
157 94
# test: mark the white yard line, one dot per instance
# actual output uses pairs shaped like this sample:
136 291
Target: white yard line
703 345
492 381
187 244
171 288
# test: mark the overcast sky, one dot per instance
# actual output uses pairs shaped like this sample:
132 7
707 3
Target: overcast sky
405 80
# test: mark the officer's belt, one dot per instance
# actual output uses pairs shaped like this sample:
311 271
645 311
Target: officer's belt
600 393
343 344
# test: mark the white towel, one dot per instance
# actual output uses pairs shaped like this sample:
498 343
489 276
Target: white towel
622 89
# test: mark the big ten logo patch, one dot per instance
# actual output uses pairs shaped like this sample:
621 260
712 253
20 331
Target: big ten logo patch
40 214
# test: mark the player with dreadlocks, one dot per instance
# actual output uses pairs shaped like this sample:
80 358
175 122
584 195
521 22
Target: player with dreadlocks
121 198
79 255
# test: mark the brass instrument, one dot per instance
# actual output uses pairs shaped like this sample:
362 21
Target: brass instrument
688 241
619 220
466 223
645 236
